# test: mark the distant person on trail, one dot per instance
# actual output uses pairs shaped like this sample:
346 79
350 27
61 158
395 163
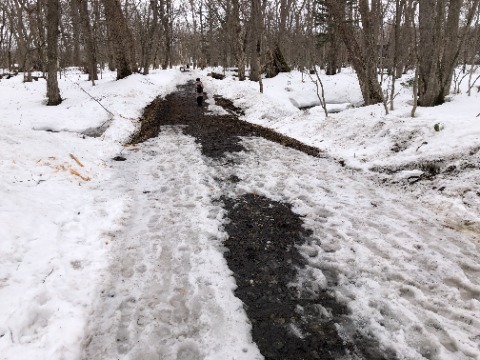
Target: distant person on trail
199 91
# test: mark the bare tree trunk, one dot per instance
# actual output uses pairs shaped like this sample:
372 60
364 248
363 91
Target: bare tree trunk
257 41
364 50
3 17
406 48
19 13
439 47
257 33
39 35
53 18
396 47
277 59
431 15
9 53
76 25
88 40
239 41
120 37
165 18
194 51
415 92
151 36
333 49
417 69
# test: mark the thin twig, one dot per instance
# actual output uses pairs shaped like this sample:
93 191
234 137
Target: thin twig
424 143
50 273
76 160
91 97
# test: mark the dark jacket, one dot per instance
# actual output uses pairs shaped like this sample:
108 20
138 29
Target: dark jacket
198 94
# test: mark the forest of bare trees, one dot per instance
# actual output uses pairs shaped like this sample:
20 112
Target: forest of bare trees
380 39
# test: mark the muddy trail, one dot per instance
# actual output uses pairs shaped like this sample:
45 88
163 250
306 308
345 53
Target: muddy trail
218 134
288 321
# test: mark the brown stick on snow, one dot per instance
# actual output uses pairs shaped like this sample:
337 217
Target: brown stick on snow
76 160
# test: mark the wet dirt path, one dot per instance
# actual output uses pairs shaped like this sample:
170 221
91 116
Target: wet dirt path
288 322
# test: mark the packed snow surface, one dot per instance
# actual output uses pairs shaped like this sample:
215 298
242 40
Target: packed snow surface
106 259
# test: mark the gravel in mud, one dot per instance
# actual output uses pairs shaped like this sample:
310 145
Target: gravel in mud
288 321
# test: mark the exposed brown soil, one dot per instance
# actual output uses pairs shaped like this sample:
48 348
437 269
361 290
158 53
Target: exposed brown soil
263 236
218 134
288 322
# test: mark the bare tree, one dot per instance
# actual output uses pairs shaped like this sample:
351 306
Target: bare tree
320 90
166 13
3 32
152 35
240 40
361 43
53 16
440 41
328 38
22 17
276 60
399 4
256 27
75 32
120 37
88 39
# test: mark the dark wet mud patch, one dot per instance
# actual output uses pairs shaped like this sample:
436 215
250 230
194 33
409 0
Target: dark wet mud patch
217 134
227 105
288 321
149 126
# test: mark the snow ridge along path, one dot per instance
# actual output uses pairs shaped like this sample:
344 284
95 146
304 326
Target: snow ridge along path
168 294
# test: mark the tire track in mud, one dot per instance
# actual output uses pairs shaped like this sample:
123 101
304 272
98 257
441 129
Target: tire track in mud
288 321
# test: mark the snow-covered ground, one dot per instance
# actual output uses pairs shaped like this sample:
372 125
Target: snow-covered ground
366 138
80 234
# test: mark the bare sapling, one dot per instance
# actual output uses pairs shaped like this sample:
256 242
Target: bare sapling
471 83
415 79
320 90
457 81
415 91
